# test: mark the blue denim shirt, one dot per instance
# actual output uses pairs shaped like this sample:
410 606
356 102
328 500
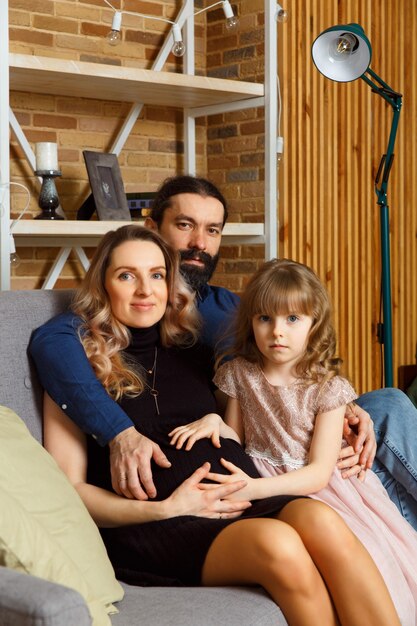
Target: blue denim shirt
66 374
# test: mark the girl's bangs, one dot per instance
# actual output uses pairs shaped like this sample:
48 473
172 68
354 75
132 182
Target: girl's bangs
280 299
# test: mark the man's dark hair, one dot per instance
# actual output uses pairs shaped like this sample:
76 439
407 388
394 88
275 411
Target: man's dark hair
184 184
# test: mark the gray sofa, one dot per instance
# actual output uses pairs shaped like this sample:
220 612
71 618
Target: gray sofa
29 601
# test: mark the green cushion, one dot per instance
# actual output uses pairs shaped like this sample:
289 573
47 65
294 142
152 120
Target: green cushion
39 495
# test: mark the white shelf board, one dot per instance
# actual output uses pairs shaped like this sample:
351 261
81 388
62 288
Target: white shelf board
77 233
46 75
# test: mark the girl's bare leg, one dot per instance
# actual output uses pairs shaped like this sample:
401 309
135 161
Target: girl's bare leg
269 553
357 588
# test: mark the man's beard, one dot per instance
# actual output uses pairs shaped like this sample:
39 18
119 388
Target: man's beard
196 276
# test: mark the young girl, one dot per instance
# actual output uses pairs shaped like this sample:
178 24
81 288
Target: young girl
287 403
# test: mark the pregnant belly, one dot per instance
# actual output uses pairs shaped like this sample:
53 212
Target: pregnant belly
184 463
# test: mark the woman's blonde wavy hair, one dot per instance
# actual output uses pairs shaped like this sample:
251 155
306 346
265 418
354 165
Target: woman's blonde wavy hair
282 287
104 337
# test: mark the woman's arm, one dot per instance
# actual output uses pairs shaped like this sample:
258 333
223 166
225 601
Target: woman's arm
67 444
324 452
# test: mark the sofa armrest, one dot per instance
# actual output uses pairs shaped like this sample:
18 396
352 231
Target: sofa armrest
30 601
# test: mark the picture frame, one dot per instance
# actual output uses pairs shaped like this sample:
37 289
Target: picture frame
107 186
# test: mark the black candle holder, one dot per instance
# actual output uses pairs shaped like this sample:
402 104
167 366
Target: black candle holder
48 197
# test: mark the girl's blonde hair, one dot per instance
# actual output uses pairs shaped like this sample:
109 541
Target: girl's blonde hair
104 337
282 287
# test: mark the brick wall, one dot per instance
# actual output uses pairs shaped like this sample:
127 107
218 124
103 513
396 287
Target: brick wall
229 147
235 141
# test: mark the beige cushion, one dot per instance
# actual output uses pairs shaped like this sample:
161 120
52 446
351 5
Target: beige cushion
27 547
39 495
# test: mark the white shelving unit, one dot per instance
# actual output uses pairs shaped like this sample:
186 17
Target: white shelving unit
61 77
197 95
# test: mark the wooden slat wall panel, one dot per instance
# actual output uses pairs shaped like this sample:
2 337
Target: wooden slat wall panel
335 135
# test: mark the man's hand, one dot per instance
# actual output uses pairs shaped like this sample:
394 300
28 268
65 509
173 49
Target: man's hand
348 463
130 464
358 432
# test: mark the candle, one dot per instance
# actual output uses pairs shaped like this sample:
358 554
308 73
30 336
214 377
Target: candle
46 156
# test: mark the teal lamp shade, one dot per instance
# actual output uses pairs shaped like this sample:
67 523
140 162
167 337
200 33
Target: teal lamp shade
342 53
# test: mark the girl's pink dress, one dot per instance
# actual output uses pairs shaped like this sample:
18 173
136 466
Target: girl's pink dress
279 423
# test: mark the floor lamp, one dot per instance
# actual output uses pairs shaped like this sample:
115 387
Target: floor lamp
343 53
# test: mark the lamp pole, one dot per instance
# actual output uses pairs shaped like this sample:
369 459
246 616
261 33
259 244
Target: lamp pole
381 185
343 53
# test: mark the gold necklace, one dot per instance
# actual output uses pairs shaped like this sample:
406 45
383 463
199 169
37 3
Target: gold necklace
154 392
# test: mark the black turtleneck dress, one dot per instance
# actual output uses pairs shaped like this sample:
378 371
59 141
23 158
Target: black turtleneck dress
171 552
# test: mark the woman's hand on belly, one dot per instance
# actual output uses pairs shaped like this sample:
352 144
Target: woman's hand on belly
193 498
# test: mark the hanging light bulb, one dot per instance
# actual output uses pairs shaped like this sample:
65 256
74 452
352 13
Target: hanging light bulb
14 257
232 21
113 36
178 49
281 14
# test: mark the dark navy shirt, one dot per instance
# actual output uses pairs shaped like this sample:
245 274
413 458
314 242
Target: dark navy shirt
217 307
66 374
